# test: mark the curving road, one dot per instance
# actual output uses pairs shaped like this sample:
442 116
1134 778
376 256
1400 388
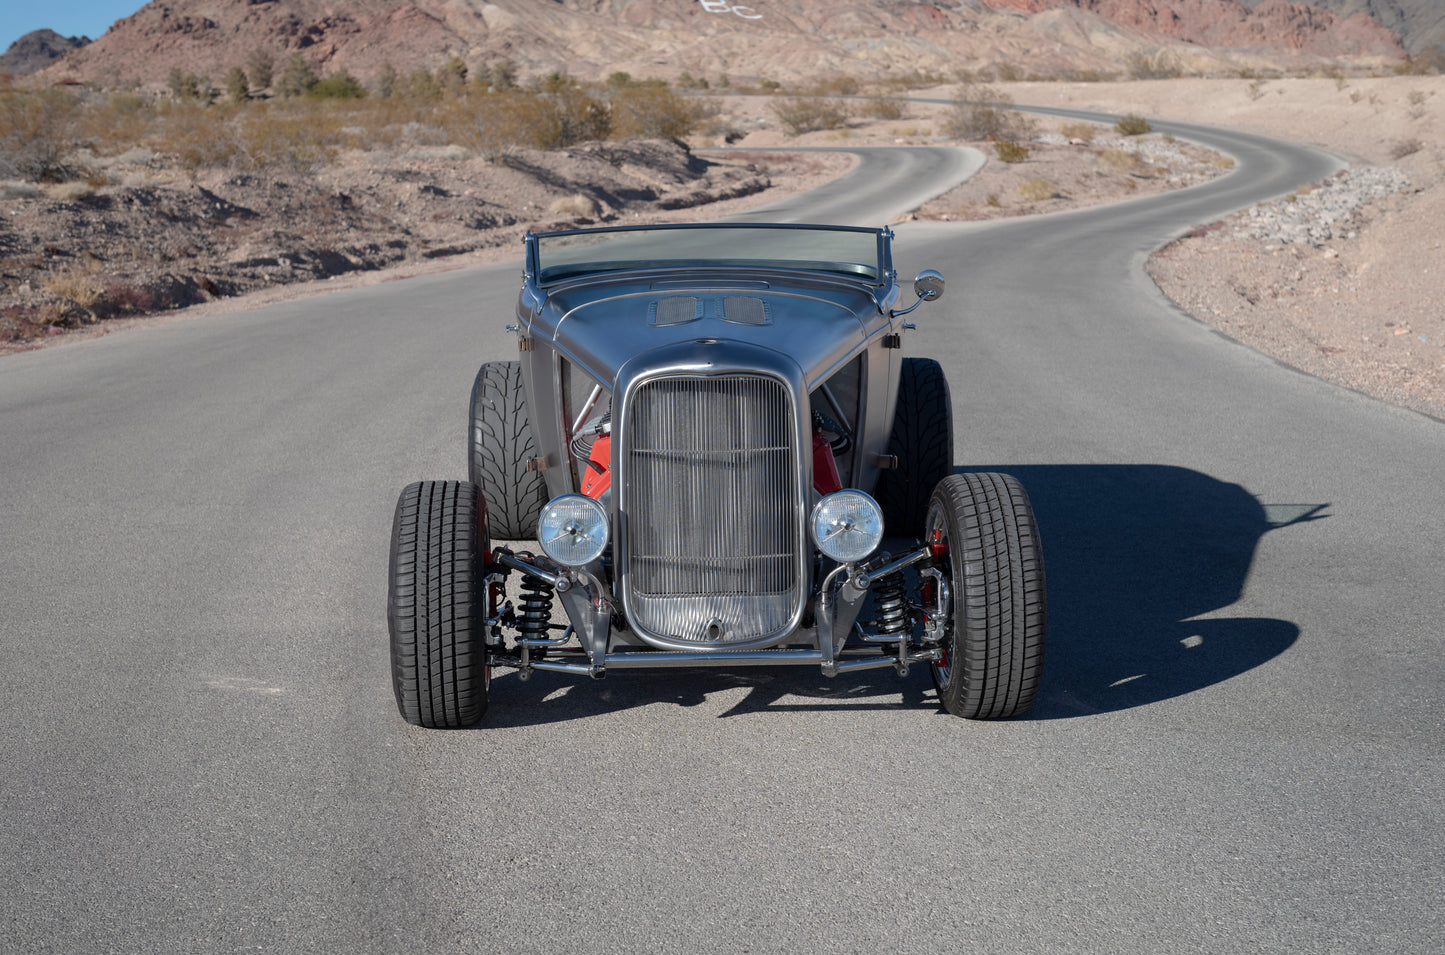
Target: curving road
1237 747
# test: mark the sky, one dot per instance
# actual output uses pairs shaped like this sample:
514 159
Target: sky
67 17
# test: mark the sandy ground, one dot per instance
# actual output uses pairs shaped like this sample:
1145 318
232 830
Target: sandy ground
1363 311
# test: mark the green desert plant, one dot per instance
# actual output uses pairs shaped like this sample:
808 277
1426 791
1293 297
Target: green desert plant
1010 151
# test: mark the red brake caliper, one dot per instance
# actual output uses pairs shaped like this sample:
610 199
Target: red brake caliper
929 591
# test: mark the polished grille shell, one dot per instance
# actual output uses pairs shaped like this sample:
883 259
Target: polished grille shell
713 509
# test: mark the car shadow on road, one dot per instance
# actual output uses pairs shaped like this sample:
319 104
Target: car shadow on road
1134 554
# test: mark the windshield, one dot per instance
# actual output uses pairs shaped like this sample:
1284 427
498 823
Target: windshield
857 253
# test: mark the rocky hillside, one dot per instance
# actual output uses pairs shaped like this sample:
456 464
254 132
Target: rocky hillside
37 50
1420 24
778 39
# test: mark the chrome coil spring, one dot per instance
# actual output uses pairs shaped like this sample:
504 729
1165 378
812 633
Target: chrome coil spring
536 609
888 593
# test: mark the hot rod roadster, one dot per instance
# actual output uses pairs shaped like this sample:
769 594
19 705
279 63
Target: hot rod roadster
707 431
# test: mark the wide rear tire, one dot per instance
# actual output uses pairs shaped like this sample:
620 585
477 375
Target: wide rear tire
994 648
922 443
434 608
500 444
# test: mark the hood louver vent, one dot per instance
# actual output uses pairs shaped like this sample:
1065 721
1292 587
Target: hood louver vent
746 310
677 310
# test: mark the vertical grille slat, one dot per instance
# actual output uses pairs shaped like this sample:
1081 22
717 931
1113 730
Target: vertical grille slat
714 531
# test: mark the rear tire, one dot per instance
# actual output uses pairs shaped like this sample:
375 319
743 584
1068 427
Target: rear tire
922 443
994 647
500 444
434 609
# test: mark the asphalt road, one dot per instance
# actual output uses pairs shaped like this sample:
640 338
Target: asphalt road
1237 747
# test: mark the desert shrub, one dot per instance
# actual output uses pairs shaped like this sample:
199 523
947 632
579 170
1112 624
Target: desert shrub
982 112
1405 147
339 85
1132 124
451 76
421 87
689 82
576 205
79 287
36 129
1010 151
572 116
1006 72
806 114
297 77
835 86
1081 131
644 112
261 67
1120 161
883 107
1159 66
72 191
618 80
387 80
502 75
993 201
1038 190
297 140
238 85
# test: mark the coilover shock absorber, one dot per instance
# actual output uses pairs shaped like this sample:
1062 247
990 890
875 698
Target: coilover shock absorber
536 608
888 592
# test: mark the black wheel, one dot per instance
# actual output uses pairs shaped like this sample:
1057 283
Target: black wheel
922 441
434 609
994 648
500 444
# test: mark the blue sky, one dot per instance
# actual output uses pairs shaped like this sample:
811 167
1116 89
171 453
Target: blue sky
67 17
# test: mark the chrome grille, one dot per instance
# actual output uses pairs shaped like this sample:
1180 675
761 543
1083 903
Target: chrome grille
712 510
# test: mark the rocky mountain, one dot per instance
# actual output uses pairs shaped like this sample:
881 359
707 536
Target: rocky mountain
1420 24
37 50
778 39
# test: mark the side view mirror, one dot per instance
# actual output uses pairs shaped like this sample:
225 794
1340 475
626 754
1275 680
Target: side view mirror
928 287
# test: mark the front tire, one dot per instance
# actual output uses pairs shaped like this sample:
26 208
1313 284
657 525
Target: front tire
922 443
434 608
994 647
499 445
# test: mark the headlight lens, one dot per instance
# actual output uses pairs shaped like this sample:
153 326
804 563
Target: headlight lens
573 530
847 525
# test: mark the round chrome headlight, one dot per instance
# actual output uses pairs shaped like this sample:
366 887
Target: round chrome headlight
847 525
573 530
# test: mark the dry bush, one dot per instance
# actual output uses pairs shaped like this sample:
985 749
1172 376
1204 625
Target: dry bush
1038 190
981 112
1405 147
297 139
570 116
1120 161
72 191
883 107
1159 66
77 287
1011 152
1084 132
806 114
1132 124
646 112
492 124
36 130
576 205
